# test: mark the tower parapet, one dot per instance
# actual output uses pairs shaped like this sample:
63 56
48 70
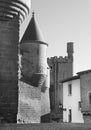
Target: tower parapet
59 59
9 8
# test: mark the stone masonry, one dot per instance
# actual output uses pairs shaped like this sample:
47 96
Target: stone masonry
9 39
85 83
60 68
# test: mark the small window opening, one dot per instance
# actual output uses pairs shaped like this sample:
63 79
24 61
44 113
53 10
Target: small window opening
69 89
79 105
51 67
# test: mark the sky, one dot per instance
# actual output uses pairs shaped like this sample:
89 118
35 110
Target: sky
63 21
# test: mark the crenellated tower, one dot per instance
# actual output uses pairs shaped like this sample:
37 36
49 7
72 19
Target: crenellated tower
60 68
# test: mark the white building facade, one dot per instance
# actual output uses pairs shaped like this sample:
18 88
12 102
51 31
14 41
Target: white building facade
72 100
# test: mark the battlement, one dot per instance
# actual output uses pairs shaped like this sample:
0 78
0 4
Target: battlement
59 59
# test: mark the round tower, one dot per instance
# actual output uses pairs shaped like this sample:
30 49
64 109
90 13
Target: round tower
34 75
33 50
11 12
10 8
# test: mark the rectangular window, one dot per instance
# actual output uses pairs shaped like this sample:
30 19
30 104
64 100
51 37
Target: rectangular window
69 89
89 98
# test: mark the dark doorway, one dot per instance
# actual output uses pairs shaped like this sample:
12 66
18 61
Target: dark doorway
70 115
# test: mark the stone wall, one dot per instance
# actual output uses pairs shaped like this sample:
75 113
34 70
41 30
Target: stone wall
85 83
9 38
87 119
29 106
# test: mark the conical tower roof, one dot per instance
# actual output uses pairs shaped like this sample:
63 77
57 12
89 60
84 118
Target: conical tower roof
32 32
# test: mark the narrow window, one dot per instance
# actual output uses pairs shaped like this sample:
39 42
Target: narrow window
89 98
70 115
79 105
69 89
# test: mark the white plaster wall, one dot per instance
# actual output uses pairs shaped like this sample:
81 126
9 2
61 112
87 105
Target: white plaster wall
71 102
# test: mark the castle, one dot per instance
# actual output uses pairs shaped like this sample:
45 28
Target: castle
28 96
31 85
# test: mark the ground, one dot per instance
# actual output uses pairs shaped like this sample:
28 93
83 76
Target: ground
50 126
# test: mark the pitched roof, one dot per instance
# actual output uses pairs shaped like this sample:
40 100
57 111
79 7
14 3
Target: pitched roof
32 32
84 72
70 78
